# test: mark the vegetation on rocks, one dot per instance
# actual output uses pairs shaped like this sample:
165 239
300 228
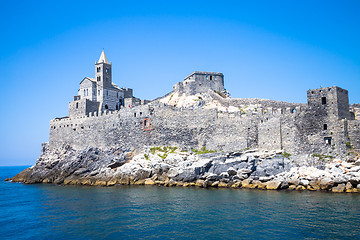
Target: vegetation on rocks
171 167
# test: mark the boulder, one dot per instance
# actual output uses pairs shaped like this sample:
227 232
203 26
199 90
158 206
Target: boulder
273 185
231 171
300 188
326 184
200 183
212 177
149 181
349 187
222 185
236 184
339 188
284 185
215 184
224 175
313 185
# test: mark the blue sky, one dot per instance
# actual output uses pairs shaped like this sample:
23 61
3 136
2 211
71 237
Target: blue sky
266 49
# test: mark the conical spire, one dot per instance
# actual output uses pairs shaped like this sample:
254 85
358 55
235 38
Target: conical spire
103 58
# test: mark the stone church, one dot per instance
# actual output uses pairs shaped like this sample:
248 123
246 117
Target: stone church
100 93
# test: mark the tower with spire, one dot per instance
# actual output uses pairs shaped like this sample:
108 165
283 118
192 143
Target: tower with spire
100 93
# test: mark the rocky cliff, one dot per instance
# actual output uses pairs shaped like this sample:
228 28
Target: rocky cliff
170 166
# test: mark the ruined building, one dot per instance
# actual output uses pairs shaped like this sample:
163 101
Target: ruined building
199 113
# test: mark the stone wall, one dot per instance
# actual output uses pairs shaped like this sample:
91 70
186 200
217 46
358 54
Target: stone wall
354 134
199 82
297 132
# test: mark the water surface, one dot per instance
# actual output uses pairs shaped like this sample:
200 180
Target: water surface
46 211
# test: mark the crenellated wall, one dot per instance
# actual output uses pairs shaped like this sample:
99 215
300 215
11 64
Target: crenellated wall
295 129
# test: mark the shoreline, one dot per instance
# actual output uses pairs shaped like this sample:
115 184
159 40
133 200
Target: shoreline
170 167
253 184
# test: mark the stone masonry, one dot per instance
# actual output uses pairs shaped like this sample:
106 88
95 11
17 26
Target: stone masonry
99 117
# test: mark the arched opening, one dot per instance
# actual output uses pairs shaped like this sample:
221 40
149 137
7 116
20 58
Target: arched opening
293 110
325 127
77 105
117 108
106 106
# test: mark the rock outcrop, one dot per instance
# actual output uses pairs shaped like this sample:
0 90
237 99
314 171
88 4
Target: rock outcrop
173 167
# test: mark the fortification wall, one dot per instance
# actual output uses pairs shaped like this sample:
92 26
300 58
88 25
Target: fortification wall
296 130
354 134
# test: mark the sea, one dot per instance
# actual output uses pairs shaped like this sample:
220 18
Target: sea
48 211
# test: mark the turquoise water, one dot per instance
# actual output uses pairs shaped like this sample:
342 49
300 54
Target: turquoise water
44 211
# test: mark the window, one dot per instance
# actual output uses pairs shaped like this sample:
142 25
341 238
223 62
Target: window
323 100
77 105
215 78
99 92
98 69
207 77
106 70
87 92
117 108
211 77
325 127
327 140
146 124
98 78
106 106
84 93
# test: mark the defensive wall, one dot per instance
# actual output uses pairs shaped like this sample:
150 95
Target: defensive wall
296 129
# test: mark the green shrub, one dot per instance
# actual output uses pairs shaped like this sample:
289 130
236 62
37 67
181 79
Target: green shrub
286 155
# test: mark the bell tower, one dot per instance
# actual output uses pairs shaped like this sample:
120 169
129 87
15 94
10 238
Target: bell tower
102 75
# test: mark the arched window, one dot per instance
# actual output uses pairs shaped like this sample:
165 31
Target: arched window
84 93
77 105
106 106
117 108
87 92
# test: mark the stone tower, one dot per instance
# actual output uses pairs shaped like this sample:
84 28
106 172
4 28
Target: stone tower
332 101
102 76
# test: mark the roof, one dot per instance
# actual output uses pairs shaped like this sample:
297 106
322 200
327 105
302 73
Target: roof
115 86
91 79
103 58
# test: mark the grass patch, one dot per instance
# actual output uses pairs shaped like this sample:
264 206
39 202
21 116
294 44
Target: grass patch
203 150
322 157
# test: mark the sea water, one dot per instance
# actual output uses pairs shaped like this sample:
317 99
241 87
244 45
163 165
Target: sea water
47 211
